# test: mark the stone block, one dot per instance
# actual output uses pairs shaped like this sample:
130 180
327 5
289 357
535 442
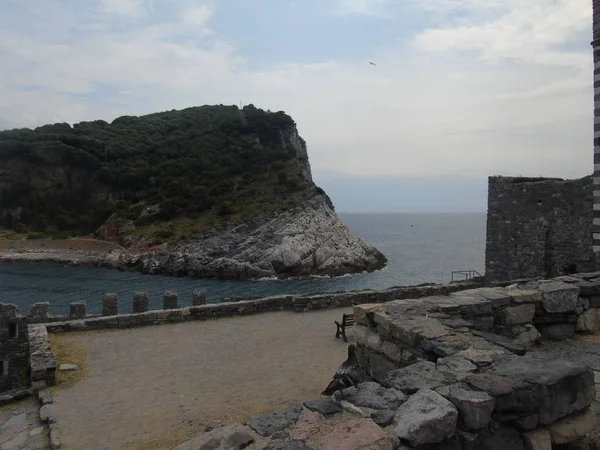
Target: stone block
474 407
527 336
558 332
425 418
199 297
470 305
498 296
8 311
583 302
170 300
110 304
367 337
374 396
516 315
512 395
559 297
392 351
140 302
40 311
411 330
481 358
556 388
380 367
455 366
357 434
519 296
362 313
588 321
325 406
78 310
501 341
573 427
537 440
267 424
420 375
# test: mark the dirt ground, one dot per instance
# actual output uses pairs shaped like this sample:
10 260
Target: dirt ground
150 382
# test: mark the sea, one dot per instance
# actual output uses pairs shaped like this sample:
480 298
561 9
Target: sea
421 248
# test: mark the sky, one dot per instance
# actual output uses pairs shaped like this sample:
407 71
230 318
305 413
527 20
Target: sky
461 89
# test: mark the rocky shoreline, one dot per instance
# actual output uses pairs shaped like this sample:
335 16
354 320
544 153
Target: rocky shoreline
310 240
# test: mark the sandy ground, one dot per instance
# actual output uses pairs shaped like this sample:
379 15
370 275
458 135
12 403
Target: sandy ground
148 382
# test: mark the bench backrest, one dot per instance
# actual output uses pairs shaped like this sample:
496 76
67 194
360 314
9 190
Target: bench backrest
348 319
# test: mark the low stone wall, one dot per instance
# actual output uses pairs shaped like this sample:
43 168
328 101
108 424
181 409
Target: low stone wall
41 360
467 368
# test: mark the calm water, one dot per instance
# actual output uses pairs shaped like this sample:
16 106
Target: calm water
420 247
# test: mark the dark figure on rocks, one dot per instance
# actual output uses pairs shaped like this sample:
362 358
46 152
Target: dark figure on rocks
349 374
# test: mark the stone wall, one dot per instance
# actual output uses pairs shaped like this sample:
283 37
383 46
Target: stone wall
13 349
172 311
472 377
538 227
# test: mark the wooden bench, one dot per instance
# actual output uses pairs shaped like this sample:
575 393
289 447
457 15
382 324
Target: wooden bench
347 321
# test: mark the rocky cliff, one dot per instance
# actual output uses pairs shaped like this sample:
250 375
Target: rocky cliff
207 192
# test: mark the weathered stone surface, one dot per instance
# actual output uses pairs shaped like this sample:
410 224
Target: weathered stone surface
325 406
308 425
268 423
383 417
474 407
445 346
528 336
68 367
561 387
231 437
512 395
355 434
199 297
140 302
422 374
392 351
426 417
573 427
499 296
559 297
502 342
77 310
373 395
380 367
516 315
45 396
455 366
589 321
287 445
558 332
361 312
110 304
525 295
481 358
468 305
367 337
537 440
413 329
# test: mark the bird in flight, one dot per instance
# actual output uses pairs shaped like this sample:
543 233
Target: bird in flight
372 63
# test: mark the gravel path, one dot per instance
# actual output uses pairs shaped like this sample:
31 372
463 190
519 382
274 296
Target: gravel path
21 428
148 382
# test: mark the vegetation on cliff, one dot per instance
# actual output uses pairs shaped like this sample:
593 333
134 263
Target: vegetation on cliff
171 173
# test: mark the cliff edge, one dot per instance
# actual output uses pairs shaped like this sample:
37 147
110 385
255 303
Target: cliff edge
212 191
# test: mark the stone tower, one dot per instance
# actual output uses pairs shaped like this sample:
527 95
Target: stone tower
596 45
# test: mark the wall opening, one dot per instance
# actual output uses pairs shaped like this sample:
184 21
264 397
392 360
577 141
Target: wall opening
13 330
4 368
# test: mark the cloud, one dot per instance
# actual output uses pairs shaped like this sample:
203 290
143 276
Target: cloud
474 88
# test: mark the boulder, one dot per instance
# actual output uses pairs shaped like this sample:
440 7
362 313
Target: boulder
589 321
527 335
512 395
374 396
422 374
516 315
268 423
383 417
474 407
308 425
426 417
573 427
231 437
559 297
455 366
557 387
355 434
325 406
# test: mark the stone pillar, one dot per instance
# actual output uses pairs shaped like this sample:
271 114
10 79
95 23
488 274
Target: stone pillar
140 302
40 311
596 46
110 304
78 310
199 297
170 300
8 311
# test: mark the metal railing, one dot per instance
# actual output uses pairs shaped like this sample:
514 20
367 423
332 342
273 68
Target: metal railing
467 274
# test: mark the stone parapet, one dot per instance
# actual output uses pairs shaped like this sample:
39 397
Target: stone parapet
41 360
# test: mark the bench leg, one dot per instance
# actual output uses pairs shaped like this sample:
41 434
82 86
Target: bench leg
337 333
344 334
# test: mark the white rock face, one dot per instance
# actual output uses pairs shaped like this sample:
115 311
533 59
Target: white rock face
310 240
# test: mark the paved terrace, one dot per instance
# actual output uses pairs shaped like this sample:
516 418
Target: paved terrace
150 382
